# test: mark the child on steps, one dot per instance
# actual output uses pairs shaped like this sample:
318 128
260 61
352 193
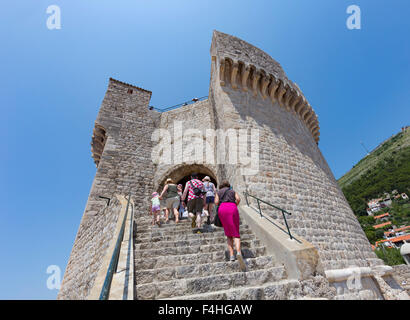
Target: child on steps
155 208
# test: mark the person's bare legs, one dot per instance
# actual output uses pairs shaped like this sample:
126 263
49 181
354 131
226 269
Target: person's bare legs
210 211
237 242
198 220
239 257
156 217
230 246
176 214
166 215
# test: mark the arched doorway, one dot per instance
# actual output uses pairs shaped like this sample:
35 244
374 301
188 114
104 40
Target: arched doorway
185 179
182 174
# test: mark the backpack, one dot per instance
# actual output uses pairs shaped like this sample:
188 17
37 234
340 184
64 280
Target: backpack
197 192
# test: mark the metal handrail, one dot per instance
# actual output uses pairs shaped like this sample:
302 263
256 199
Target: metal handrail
105 291
130 248
179 105
269 204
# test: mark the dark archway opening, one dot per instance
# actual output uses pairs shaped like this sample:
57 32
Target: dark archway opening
182 174
185 179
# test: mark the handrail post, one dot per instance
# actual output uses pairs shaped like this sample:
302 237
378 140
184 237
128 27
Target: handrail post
286 222
259 207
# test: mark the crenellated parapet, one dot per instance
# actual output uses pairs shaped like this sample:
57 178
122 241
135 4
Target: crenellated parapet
247 68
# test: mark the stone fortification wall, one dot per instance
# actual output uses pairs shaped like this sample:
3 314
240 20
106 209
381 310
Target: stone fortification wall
402 275
248 90
89 249
187 128
121 147
292 171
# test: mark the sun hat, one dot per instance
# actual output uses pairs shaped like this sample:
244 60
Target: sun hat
207 178
169 180
154 194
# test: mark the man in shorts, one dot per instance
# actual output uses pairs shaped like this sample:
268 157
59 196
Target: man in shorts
195 201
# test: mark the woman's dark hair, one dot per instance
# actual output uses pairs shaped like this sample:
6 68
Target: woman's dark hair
194 176
224 184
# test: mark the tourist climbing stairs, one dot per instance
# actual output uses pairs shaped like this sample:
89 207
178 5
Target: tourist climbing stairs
173 262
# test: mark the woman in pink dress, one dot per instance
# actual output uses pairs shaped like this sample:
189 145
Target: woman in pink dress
229 216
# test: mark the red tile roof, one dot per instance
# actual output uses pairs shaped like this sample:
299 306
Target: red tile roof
396 239
397 230
377 226
382 215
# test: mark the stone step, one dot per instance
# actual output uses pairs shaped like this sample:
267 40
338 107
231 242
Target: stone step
279 290
187 243
148 253
174 228
201 270
194 258
173 232
182 222
209 236
192 286
171 224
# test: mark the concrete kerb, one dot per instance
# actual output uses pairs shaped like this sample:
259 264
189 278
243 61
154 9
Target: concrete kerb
300 258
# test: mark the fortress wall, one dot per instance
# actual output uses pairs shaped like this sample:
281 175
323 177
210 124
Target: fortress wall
125 165
292 173
198 116
294 176
89 249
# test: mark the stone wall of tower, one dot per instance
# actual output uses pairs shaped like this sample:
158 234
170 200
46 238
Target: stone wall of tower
124 165
198 117
293 174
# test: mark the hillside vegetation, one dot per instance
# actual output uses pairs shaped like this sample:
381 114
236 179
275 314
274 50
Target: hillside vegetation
386 168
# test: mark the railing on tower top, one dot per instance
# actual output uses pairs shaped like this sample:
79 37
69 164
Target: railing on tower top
105 291
269 204
179 105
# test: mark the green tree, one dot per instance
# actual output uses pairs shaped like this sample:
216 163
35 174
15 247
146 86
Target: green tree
390 256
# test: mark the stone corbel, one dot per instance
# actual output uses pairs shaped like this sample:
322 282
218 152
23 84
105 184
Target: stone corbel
305 109
96 152
281 91
294 101
265 83
300 105
99 134
272 89
222 72
94 140
313 123
245 75
286 99
255 80
234 72
309 116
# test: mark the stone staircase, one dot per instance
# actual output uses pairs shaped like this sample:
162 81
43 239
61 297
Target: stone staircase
171 262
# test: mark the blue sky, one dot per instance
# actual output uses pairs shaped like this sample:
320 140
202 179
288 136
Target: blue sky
53 82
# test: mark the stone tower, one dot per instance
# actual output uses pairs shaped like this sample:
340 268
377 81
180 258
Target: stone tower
249 92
